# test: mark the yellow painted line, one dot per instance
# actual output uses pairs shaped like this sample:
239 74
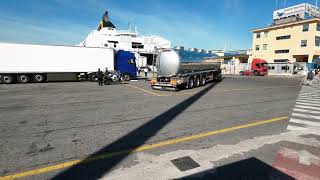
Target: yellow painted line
150 92
138 149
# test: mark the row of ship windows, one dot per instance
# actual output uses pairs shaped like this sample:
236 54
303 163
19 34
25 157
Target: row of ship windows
137 45
303 43
305 28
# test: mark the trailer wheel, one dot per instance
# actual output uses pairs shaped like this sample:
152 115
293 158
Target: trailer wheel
197 82
7 79
190 83
38 78
126 77
23 78
203 81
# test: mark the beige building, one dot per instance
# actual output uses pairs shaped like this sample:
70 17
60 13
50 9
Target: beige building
297 41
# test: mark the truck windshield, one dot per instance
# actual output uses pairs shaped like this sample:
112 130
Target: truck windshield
264 64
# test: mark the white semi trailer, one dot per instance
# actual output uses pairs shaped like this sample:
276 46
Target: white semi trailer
24 63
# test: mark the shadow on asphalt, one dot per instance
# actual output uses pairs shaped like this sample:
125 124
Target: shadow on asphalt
94 169
247 169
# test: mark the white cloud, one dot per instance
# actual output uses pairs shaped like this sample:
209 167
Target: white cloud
181 27
23 30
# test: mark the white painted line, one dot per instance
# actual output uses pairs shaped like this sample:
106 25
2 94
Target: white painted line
309 97
296 128
311 123
306 111
307 104
306 116
309 101
309 93
307 107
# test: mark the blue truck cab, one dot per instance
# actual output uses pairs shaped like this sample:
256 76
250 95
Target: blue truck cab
125 62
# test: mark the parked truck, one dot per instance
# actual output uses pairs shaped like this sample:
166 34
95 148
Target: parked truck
23 63
259 67
173 74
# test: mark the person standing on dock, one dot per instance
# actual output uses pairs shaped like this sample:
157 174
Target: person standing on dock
145 72
310 77
100 77
105 22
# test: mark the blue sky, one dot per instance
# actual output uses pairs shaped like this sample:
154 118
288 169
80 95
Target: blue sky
209 24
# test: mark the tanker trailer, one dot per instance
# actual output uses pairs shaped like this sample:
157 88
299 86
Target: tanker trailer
175 75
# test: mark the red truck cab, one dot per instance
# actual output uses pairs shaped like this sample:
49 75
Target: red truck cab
259 67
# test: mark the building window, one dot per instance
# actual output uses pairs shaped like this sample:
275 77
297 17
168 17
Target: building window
283 37
304 43
281 51
265 46
271 67
280 60
137 45
317 40
285 68
266 34
305 28
258 35
257 47
318 27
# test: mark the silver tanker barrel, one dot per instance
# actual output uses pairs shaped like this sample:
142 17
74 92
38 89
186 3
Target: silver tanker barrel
174 74
170 64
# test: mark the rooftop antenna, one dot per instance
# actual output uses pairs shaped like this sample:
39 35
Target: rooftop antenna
285 3
276 4
129 23
316 3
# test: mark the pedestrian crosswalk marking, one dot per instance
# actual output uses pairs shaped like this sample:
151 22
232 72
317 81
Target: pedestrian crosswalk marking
305 122
311 98
296 128
307 107
313 94
308 104
308 93
308 101
305 116
306 111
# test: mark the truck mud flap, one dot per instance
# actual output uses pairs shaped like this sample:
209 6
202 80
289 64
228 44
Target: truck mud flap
56 77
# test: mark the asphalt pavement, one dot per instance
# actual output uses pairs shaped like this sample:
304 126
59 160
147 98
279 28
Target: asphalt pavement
82 131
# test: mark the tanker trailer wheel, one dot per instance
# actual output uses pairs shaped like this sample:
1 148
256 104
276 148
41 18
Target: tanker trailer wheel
203 81
7 79
197 82
190 83
23 78
38 78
